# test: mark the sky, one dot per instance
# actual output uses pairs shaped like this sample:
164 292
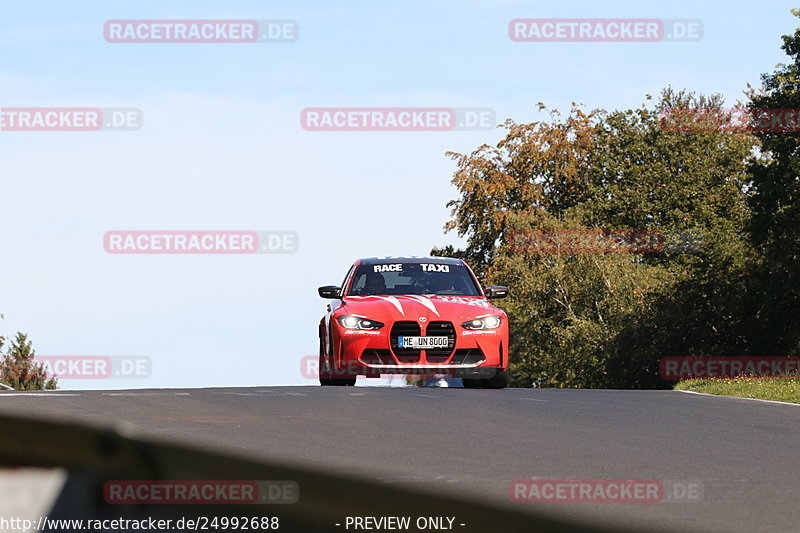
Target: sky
221 147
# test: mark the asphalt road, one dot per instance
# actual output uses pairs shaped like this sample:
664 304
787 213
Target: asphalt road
474 443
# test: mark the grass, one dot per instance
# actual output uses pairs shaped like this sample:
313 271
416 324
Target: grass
781 389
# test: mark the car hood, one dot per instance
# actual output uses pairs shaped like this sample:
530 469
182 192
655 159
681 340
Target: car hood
413 307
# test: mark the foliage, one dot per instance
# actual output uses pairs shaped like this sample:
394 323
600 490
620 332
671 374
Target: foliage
18 368
604 319
775 203
781 389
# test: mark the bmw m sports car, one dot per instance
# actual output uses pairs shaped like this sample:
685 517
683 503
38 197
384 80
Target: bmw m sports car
413 315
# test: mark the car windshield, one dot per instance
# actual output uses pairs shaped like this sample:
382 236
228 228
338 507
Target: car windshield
413 278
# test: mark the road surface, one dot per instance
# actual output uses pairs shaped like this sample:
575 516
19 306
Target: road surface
474 443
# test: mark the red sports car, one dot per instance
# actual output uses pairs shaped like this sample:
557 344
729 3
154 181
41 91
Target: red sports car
413 315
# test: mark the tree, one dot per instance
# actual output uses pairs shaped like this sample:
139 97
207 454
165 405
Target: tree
19 370
536 169
594 320
567 309
681 183
776 208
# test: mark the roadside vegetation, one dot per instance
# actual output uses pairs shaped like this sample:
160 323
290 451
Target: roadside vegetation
781 389
18 367
727 201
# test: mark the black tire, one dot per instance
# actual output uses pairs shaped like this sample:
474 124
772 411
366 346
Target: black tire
343 382
324 377
498 381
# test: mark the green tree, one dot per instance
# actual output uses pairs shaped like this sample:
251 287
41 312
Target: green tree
776 209
691 186
594 320
567 309
18 368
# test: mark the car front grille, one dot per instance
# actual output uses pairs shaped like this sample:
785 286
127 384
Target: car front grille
404 328
440 329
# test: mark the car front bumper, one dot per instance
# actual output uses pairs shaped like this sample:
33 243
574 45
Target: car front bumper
472 354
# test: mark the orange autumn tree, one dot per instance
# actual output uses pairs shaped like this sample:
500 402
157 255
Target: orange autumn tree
535 171
604 319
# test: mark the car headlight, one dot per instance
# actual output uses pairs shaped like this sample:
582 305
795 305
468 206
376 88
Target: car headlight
357 322
487 322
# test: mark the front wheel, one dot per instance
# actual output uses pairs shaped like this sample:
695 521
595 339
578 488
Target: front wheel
343 382
327 379
498 381
324 376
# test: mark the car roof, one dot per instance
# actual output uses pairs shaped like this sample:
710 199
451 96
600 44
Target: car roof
410 259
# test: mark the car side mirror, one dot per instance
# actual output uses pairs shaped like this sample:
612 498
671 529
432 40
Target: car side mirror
329 291
496 291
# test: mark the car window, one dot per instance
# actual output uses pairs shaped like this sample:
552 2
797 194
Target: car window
413 278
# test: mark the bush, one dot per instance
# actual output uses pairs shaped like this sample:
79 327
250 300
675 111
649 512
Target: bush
19 370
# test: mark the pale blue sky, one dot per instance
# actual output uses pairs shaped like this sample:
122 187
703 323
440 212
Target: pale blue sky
222 148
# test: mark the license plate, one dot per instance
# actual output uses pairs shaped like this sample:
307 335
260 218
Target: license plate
420 343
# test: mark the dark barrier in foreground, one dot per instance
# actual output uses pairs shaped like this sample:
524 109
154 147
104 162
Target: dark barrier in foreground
101 463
